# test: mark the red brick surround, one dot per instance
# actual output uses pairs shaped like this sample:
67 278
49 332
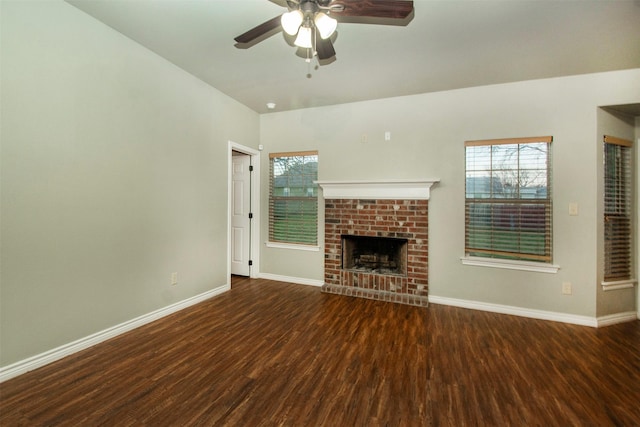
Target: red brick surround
406 219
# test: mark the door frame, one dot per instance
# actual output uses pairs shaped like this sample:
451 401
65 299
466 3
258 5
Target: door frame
254 252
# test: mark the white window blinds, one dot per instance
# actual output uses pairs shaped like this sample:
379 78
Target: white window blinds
508 209
617 209
293 198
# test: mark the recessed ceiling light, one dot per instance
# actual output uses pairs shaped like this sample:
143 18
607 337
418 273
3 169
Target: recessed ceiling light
271 105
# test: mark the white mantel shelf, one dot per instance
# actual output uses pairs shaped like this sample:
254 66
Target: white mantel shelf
376 190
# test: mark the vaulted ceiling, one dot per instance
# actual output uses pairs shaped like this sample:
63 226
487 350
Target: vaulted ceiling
449 44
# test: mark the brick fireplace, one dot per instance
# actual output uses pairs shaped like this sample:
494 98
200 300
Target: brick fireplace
390 218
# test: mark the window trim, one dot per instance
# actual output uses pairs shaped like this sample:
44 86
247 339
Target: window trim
510 264
618 284
545 263
294 246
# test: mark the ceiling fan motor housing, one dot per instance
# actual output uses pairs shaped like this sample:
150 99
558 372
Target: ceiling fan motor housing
308 7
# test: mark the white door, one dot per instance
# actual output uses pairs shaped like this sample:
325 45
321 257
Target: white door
240 209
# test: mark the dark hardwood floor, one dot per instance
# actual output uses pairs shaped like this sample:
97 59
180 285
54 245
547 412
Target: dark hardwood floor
270 353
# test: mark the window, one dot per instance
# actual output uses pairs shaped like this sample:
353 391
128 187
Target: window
508 199
617 209
293 198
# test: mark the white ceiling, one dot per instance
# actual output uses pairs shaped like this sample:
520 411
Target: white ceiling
449 44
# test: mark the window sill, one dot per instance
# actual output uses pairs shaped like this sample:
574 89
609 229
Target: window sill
510 264
293 246
620 284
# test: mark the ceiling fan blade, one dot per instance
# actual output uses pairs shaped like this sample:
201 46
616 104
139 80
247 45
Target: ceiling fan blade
393 9
282 3
324 48
261 32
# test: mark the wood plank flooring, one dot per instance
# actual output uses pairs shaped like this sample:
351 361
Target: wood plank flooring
270 353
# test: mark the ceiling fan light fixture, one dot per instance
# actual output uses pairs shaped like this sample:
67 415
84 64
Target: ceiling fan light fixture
312 23
291 22
325 24
304 38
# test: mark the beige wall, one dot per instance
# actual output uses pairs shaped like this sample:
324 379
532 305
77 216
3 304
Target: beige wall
114 175
427 136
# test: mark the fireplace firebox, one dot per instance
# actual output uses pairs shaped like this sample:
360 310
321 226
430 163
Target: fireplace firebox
381 255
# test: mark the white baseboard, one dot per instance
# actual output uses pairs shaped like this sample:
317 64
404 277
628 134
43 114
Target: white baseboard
42 359
612 319
516 311
297 280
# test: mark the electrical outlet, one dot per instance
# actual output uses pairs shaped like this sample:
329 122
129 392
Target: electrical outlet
174 278
566 288
364 138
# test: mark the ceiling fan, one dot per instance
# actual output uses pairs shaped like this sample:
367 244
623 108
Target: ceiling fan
313 22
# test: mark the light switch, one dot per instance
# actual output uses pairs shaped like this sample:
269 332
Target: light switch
573 209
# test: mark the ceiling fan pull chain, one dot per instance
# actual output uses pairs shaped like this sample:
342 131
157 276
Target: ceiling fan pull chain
311 53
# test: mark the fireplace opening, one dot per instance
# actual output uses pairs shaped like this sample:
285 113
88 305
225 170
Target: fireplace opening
381 255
